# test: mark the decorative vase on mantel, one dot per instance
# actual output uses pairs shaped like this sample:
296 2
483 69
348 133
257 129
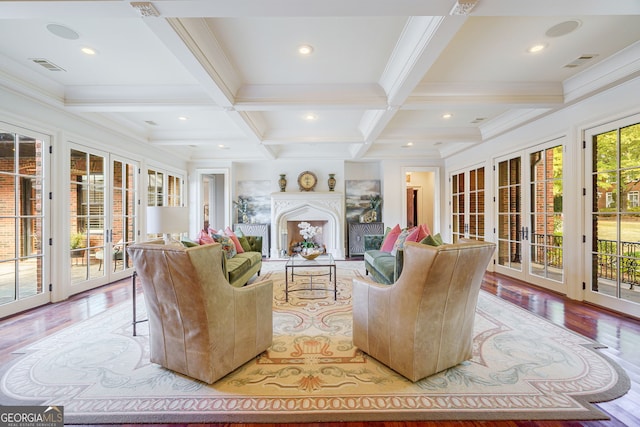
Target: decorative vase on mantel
332 181
282 182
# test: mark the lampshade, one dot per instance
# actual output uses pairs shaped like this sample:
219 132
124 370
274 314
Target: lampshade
167 220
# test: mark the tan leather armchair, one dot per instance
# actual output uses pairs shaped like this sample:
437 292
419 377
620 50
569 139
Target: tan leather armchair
200 325
423 323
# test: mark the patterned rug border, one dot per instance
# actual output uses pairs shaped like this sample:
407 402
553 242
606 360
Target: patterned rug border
219 415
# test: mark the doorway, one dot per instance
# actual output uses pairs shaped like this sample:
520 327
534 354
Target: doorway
24 255
421 197
103 216
212 195
412 207
529 212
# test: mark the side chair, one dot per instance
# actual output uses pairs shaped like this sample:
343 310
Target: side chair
200 325
422 323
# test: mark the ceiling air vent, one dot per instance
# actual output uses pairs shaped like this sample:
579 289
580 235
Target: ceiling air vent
151 122
581 60
47 64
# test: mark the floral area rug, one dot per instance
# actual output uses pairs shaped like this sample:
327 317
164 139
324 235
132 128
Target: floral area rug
523 367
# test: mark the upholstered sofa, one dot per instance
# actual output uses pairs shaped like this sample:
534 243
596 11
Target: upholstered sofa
384 267
199 325
241 267
423 323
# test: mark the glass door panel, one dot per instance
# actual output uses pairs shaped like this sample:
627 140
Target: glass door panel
22 225
103 195
123 213
467 205
457 206
545 202
475 229
615 216
530 219
87 215
509 214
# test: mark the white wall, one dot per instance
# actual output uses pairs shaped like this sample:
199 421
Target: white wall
261 170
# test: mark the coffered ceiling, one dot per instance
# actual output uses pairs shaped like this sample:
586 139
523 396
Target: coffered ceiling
381 76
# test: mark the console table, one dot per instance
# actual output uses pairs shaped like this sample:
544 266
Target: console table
357 231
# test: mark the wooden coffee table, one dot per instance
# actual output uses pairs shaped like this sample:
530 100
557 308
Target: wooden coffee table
322 266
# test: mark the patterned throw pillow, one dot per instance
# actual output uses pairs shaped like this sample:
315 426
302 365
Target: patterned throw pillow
229 232
399 244
228 246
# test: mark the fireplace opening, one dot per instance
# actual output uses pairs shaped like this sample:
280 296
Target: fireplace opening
320 209
294 238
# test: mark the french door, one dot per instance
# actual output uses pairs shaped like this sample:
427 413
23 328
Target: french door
24 230
103 195
468 204
529 223
612 155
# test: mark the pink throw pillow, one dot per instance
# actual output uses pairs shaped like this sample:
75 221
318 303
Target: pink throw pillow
229 232
390 240
204 238
427 232
416 235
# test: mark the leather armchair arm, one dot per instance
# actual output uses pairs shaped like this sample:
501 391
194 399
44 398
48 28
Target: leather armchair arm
371 313
253 304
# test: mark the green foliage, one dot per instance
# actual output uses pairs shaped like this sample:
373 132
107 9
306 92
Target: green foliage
77 240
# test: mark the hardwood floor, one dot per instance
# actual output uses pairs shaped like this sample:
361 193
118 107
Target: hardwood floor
619 333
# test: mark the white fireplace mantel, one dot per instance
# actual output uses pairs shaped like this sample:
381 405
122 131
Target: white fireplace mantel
309 206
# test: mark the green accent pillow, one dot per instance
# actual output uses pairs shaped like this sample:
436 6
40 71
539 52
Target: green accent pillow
244 243
188 243
432 240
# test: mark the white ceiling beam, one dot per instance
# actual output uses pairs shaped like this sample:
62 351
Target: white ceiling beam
279 97
137 98
435 95
421 42
54 9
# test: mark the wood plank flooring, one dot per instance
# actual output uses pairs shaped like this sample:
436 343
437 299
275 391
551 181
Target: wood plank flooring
621 335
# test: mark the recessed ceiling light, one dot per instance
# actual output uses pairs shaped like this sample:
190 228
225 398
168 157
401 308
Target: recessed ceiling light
183 118
62 31
88 51
305 49
310 117
536 48
447 115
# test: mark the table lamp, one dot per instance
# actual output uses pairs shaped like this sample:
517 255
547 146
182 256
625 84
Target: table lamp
167 220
